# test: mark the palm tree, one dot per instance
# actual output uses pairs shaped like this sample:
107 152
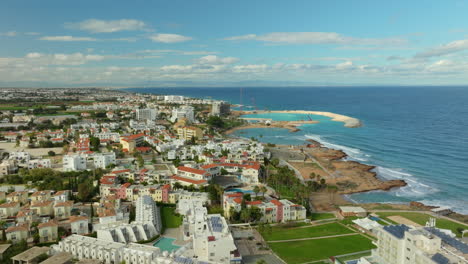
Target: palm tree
256 190
263 189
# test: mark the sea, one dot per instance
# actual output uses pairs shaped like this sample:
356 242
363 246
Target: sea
418 134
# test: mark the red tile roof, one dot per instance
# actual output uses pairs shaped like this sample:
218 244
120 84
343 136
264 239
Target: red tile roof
191 170
276 202
254 202
175 177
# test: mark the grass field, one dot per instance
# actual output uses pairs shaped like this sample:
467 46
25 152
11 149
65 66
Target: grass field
321 216
310 250
169 218
284 233
422 218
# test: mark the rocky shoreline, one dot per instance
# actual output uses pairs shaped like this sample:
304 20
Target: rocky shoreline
349 176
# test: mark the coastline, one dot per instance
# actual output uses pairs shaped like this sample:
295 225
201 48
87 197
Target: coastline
350 122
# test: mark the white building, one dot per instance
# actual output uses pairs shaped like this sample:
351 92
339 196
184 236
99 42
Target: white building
146 114
82 247
39 163
173 98
146 226
401 244
220 108
74 162
184 111
113 136
212 239
102 160
20 156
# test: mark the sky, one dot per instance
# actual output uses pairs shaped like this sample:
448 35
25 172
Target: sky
228 43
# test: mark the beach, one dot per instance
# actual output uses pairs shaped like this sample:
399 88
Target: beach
350 122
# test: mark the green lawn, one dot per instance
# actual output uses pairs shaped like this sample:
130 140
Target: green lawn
422 218
321 216
284 233
169 218
310 250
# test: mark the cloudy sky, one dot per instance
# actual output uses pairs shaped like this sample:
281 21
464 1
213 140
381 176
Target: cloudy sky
214 42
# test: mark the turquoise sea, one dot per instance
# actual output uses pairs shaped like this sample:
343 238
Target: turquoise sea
419 134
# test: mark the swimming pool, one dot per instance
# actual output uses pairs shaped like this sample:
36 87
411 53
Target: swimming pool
166 244
239 190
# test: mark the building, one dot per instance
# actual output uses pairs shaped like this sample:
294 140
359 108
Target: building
184 111
220 108
189 132
9 209
43 208
48 232
102 160
19 196
401 244
63 210
74 162
30 256
17 233
146 226
212 239
273 211
8 167
79 224
146 114
347 211
39 163
82 247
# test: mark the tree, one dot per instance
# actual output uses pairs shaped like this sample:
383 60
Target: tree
256 190
84 191
51 153
224 171
95 143
275 162
245 215
263 189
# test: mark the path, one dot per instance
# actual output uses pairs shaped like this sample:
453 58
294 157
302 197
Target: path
311 238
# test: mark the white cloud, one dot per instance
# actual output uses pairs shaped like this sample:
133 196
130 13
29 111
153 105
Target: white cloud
317 38
33 55
452 47
9 34
213 59
67 38
108 26
169 38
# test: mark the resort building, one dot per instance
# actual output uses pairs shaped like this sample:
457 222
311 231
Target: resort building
17 233
9 209
401 244
39 163
48 232
79 224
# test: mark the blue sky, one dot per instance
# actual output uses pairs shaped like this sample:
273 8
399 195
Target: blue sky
217 43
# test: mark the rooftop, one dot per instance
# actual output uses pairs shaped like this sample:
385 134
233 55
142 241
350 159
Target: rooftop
31 254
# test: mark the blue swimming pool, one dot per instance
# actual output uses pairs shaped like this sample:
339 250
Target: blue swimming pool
239 190
166 244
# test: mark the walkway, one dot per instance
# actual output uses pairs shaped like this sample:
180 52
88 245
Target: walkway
312 238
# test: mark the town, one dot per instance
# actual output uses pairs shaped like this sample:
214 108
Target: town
110 176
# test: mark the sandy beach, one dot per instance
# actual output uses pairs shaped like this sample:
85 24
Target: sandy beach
348 121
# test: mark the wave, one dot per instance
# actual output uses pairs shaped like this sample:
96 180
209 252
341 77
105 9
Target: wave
458 206
415 188
353 153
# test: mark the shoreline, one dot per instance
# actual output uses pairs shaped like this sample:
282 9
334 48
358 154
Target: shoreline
348 121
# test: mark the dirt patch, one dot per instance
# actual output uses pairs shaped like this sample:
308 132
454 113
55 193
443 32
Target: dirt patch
402 220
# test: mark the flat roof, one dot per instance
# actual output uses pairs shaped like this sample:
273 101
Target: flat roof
31 254
4 247
89 261
60 258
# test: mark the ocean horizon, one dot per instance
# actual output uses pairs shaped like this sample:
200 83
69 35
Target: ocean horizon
414 133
